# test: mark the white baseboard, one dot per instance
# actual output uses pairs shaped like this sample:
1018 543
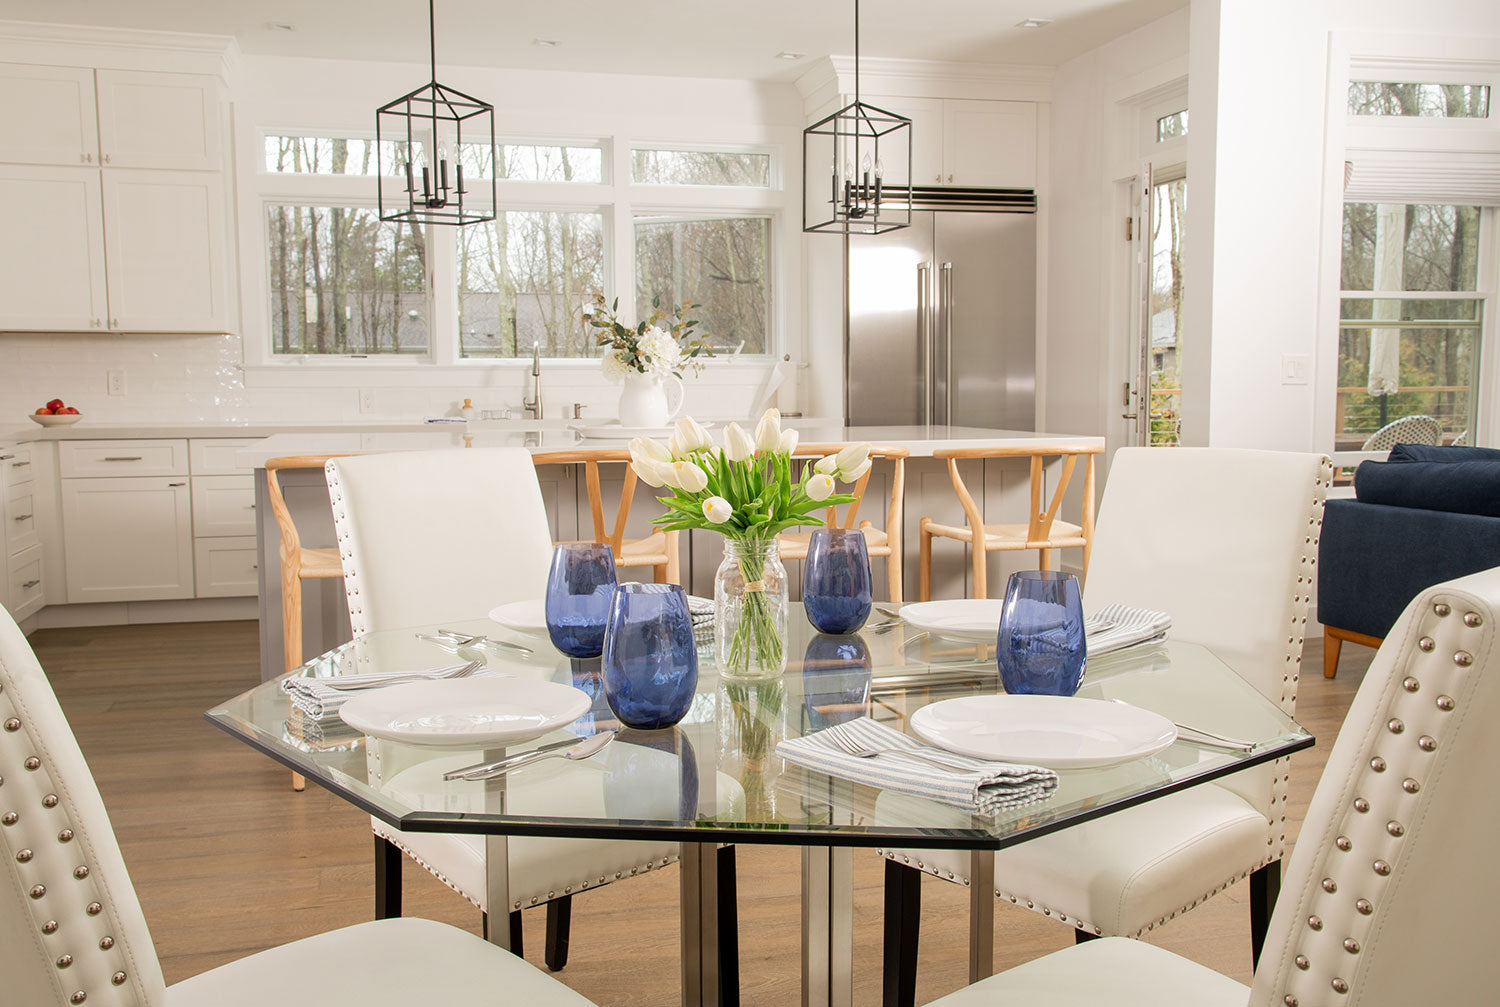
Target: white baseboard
132 613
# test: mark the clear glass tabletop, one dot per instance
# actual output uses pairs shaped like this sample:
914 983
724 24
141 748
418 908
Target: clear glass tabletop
716 777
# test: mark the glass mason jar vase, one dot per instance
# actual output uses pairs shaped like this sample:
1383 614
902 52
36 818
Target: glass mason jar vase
750 609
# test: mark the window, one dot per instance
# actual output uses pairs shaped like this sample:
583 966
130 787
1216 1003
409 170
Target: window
1171 127
721 263
524 279
700 167
533 162
322 155
1430 101
1410 318
343 282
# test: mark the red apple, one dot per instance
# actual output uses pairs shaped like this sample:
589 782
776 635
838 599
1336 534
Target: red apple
55 405
44 411
69 411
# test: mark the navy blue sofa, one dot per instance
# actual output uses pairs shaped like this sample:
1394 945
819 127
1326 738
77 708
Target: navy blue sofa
1427 515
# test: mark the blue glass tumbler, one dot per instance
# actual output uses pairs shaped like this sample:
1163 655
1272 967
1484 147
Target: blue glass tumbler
836 680
579 588
1040 647
836 580
650 658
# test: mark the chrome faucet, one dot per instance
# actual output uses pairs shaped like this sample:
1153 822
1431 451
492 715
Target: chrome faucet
533 405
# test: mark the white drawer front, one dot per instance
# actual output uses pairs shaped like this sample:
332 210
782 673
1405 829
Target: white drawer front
26 593
92 459
17 465
225 567
20 518
215 456
223 505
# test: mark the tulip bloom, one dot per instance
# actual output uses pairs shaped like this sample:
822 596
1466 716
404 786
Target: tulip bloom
827 465
689 438
820 487
768 431
737 444
852 456
688 477
717 510
788 442
853 474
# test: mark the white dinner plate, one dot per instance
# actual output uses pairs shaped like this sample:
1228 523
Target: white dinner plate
976 619
1059 732
467 713
523 616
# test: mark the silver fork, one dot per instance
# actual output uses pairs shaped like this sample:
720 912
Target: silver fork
357 682
456 639
853 746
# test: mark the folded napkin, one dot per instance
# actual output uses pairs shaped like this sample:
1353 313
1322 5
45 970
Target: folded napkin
984 788
320 701
701 610
1116 627
328 734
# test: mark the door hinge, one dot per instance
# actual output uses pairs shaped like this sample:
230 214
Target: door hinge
1129 228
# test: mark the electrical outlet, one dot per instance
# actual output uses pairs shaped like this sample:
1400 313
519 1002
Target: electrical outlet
117 382
1294 367
367 400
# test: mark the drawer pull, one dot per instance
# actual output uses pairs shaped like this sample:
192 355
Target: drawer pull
176 484
30 584
23 517
6 458
123 458
17 465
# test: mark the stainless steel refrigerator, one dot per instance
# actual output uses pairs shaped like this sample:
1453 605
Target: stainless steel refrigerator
940 322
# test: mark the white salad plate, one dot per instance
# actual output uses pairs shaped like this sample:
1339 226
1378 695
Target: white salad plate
523 616
976 619
1059 732
465 713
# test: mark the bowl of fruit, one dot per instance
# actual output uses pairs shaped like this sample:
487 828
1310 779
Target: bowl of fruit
56 414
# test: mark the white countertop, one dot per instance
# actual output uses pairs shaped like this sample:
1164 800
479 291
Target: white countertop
87 431
921 441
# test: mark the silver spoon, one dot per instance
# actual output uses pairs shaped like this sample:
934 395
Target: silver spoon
1204 737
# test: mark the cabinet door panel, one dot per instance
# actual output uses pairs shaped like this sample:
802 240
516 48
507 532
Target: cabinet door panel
989 143
127 539
225 567
158 120
27 593
47 115
223 505
20 519
52 280
926 115
165 239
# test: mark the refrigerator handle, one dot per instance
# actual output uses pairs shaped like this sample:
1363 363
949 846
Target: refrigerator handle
945 305
924 335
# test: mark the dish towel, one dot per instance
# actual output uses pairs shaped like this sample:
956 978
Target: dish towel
986 788
1116 627
319 701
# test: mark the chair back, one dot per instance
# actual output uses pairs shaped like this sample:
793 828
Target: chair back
429 536
1406 430
73 928
851 510
1392 879
612 536
1039 520
291 542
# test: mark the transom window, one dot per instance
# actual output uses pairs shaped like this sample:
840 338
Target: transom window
1428 101
1170 127
658 166
323 155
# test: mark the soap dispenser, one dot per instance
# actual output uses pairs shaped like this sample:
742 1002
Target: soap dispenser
468 412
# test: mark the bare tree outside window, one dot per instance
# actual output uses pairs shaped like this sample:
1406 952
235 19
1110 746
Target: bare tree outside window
721 264
700 167
1431 101
527 162
321 155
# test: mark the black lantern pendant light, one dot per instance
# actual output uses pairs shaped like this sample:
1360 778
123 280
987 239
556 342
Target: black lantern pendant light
439 134
867 154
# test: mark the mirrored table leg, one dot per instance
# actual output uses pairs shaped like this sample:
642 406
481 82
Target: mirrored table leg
981 915
497 864
827 926
700 925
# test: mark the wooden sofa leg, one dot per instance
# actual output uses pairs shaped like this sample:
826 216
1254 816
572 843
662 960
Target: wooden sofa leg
1331 647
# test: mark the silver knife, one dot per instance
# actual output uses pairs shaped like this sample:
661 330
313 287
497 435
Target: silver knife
480 767
574 751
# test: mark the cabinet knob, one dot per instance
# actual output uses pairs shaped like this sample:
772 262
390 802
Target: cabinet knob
105 158
938 178
950 178
114 323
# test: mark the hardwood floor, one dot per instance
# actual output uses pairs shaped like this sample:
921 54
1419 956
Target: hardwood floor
228 860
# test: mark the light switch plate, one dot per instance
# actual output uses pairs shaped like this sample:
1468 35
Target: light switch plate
1294 368
367 400
117 382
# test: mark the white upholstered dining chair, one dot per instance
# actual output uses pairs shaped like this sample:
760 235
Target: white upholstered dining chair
1224 541
74 933
1393 872
444 536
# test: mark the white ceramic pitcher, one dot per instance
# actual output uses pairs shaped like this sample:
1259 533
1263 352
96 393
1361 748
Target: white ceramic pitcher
650 401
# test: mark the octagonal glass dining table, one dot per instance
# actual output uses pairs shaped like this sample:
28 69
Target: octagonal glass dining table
715 778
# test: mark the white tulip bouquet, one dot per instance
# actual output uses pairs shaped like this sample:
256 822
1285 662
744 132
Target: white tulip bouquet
747 491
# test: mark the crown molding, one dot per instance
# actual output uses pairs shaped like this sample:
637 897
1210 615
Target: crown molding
919 78
123 47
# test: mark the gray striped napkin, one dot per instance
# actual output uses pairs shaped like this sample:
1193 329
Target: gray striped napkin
987 788
320 701
1116 627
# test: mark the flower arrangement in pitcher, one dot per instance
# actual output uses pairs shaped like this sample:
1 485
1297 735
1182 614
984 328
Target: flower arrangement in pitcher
748 491
661 345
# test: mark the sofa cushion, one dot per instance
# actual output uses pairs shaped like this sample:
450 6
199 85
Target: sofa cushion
1434 453
1462 487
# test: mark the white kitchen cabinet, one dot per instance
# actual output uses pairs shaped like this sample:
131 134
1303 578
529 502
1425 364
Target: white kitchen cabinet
52 273
223 506
969 142
926 115
128 539
158 120
164 242
225 567
214 456
47 116
112 459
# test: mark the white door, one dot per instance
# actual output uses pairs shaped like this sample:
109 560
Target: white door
47 115
158 120
128 539
52 261
1157 333
989 143
164 236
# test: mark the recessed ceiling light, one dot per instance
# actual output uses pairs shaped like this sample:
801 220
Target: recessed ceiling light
281 26
789 56
1034 22
547 43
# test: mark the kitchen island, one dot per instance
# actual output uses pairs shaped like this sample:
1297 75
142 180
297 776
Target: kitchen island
1000 487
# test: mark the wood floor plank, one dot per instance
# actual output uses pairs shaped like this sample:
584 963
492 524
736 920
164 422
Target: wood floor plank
229 861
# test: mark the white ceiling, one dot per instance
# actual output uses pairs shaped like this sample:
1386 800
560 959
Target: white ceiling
706 38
